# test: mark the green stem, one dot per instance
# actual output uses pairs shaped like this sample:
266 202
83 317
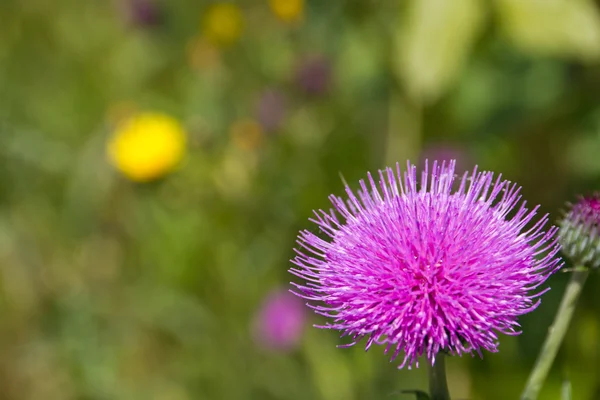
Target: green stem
555 336
438 387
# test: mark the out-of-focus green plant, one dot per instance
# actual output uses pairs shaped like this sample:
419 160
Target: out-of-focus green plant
118 289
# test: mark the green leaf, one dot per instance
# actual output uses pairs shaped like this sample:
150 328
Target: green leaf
568 28
433 42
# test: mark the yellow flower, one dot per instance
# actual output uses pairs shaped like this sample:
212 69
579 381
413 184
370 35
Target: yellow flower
222 23
287 10
147 146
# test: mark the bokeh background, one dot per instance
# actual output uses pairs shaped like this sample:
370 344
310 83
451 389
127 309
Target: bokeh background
157 159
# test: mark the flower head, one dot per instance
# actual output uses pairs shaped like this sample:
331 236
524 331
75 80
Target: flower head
223 23
146 146
425 268
280 321
580 231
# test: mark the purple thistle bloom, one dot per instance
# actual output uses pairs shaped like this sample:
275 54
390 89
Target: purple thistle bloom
580 231
423 268
280 321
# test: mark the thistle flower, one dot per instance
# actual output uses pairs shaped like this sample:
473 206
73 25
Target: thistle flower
579 236
280 321
426 269
579 232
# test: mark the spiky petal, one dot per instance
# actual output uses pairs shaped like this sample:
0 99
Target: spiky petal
425 268
580 232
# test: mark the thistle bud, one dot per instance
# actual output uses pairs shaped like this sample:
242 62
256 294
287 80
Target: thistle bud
579 232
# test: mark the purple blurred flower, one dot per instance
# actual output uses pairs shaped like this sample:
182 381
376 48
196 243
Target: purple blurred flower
314 75
421 268
271 109
143 12
580 231
280 321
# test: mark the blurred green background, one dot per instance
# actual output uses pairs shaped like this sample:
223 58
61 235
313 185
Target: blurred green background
174 288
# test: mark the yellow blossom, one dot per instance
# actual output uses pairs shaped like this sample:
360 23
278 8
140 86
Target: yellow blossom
147 146
287 10
223 23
